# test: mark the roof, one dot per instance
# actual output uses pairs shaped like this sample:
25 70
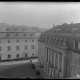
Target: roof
19 28
65 28
68 31
6 35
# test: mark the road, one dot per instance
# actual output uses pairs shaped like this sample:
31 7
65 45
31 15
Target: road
18 71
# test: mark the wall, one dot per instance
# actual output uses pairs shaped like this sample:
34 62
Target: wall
41 52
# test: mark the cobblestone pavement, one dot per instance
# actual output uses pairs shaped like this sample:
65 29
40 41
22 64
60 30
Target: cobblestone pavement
18 71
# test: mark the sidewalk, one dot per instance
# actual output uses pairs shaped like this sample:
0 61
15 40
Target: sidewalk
18 62
43 74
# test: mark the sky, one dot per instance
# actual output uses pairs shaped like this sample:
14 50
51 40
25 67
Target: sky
39 14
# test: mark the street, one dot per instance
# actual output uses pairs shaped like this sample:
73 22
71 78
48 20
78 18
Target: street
23 70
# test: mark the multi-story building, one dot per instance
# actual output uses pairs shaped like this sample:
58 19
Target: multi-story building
18 43
59 50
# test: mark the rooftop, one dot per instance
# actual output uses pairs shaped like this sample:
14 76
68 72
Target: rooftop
71 31
66 28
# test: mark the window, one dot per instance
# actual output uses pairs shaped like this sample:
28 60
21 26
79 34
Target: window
32 47
25 47
8 35
75 58
25 55
0 41
8 41
32 54
25 40
16 35
47 54
8 48
56 59
17 41
76 44
60 61
9 56
53 57
79 60
79 73
17 48
32 40
24 34
32 34
0 56
17 55
73 44
50 61
0 48
73 70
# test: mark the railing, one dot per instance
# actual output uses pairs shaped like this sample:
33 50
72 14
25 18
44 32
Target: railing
19 59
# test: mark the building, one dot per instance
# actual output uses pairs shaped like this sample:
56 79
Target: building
59 51
18 43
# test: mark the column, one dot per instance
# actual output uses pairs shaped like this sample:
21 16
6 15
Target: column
58 64
51 57
45 62
48 55
48 61
62 64
54 59
58 61
54 64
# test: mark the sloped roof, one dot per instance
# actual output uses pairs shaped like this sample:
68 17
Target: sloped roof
65 28
69 31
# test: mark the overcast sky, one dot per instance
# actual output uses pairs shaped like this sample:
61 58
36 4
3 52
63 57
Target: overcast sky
41 14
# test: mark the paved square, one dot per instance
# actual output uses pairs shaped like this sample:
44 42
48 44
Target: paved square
18 71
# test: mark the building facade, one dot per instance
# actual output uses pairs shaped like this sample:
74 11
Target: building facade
59 52
18 44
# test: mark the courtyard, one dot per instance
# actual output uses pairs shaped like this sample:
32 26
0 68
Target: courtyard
22 70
